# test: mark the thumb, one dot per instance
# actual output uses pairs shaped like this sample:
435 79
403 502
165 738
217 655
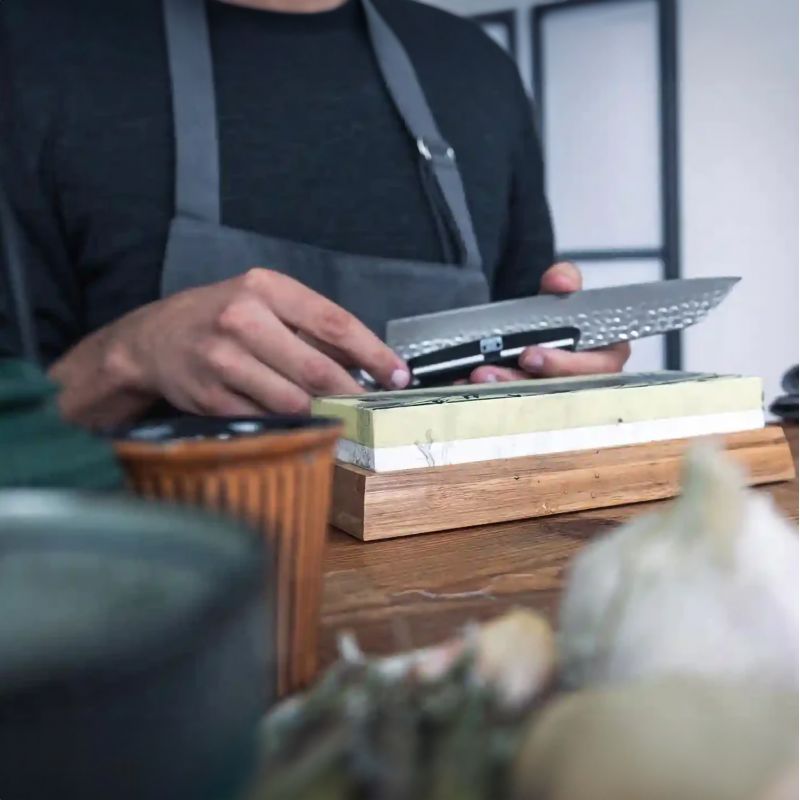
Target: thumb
561 278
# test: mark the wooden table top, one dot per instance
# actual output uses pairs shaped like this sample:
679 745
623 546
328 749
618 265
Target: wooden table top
405 593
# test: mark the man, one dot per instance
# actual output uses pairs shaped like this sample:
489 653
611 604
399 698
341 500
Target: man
226 201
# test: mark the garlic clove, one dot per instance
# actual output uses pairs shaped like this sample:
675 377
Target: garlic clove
516 654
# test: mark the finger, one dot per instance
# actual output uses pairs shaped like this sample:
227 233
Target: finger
561 278
339 357
263 387
544 362
332 352
258 331
214 400
310 312
490 374
619 350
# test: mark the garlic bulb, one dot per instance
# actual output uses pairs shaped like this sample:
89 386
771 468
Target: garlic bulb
709 586
674 739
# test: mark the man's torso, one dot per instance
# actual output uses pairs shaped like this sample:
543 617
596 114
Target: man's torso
311 147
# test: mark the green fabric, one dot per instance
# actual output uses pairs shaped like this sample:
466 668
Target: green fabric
37 448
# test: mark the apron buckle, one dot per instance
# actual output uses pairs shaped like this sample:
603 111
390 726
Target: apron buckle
436 150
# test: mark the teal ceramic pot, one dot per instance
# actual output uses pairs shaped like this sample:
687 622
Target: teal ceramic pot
39 449
135 649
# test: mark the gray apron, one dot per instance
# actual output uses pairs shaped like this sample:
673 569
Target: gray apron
201 250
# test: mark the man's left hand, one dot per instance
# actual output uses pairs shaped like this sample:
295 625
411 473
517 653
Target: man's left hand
541 362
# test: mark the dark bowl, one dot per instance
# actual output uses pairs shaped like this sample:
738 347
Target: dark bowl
136 649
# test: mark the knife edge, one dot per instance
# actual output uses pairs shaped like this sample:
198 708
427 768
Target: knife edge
604 316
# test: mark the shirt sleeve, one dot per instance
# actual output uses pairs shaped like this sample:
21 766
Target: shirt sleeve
29 107
529 248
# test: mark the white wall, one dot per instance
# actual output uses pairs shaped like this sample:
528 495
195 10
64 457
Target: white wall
739 169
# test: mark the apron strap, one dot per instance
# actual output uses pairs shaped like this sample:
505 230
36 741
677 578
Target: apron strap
409 98
194 110
197 173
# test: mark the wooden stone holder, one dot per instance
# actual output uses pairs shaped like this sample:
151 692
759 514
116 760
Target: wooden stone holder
373 506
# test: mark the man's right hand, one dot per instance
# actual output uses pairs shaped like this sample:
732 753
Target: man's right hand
260 342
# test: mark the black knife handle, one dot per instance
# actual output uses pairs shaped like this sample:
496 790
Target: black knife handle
451 364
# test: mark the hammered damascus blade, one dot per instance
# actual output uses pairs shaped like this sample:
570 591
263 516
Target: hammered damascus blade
603 316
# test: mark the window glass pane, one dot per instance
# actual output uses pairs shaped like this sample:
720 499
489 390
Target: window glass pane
500 32
601 125
647 354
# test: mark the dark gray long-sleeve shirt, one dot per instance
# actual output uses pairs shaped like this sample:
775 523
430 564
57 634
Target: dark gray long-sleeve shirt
312 148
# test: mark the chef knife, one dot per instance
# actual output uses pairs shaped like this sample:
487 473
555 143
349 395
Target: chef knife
450 344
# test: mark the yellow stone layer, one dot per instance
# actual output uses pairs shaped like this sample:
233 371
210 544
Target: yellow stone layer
460 412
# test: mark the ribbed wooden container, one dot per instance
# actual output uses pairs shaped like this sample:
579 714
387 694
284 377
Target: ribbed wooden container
279 482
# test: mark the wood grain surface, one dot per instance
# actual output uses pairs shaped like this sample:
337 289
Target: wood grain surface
374 506
403 593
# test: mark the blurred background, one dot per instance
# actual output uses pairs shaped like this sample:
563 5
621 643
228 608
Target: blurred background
670 134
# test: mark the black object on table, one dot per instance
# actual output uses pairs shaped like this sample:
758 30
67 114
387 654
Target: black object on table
785 406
